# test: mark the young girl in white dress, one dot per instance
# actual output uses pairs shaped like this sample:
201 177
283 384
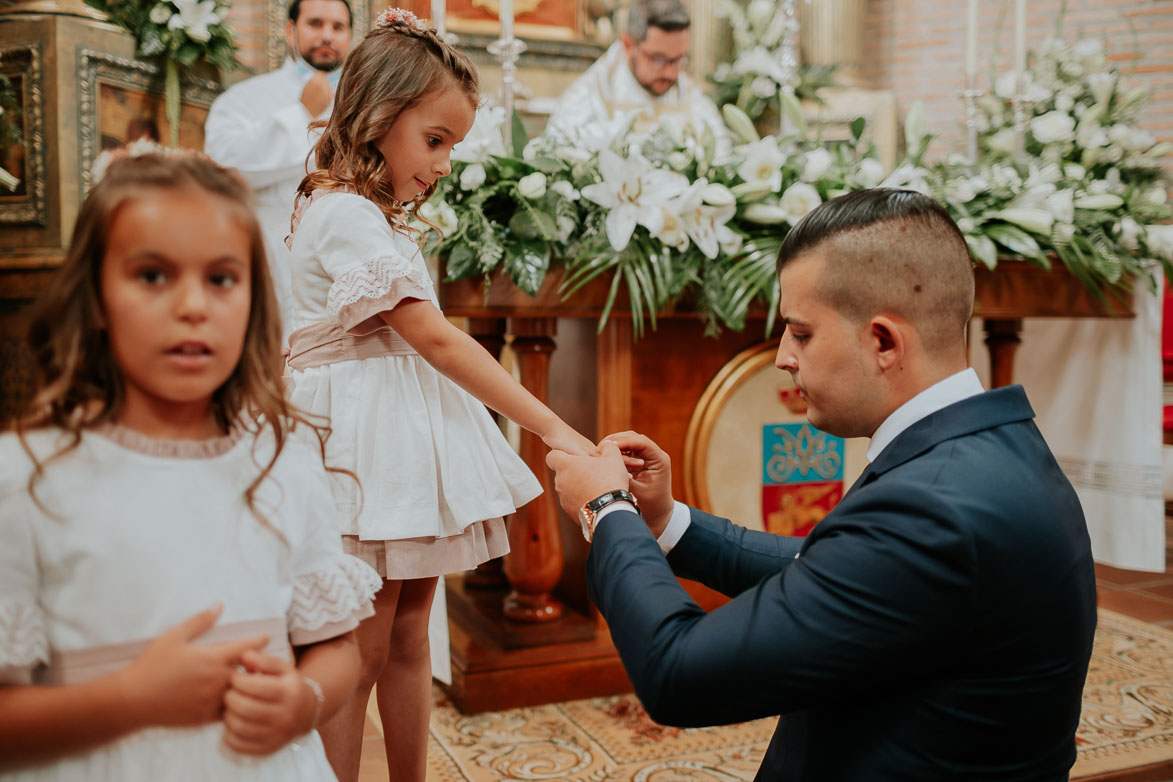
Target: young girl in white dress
164 542
372 350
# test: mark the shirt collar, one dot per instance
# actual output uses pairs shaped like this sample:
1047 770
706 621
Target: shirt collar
952 389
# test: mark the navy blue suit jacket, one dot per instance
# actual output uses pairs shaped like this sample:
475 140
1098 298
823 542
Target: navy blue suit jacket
937 625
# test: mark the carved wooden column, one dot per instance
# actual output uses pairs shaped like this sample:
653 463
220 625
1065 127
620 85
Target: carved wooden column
490 333
1002 340
534 562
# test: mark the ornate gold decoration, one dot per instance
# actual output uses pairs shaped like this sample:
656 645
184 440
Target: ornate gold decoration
519 8
22 61
95 68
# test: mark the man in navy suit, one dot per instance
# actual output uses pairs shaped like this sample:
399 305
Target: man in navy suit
937 624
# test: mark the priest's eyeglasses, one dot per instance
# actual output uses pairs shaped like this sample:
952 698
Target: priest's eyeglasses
661 62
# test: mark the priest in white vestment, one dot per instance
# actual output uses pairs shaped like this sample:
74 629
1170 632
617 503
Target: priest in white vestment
641 78
259 126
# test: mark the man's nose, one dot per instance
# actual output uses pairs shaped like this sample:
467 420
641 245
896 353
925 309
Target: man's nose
785 358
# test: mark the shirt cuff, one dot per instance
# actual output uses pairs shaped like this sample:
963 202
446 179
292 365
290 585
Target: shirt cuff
677 526
617 505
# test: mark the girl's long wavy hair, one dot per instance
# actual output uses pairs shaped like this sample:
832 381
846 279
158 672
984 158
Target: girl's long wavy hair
394 68
78 385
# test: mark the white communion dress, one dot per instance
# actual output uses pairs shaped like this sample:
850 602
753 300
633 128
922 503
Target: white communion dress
132 536
436 472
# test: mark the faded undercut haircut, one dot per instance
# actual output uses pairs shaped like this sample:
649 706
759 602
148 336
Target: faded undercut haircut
668 15
890 251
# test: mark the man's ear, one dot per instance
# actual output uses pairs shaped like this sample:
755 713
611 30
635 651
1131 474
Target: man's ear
291 39
888 340
628 42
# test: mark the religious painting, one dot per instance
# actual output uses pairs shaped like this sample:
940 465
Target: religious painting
751 456
22 136
122 101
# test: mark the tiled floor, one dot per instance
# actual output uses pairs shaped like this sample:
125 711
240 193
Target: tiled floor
1144 596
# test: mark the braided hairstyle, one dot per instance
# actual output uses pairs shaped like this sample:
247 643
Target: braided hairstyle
397 65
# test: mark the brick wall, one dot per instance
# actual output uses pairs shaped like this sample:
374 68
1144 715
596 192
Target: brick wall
917 49
247 18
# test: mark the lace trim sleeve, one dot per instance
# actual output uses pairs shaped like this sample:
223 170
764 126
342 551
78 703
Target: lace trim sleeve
24 642
359 295
332 600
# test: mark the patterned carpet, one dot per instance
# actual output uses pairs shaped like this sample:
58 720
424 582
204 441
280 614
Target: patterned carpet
1127 722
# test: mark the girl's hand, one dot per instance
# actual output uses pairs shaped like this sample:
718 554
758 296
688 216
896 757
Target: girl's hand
268 705
175 682
565 438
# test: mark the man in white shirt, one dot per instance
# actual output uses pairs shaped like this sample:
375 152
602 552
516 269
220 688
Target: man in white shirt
640 77
938 623
259 126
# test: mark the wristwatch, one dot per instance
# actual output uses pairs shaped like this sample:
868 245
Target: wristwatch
589 512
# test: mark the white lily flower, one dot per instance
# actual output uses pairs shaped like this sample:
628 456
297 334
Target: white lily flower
532 186
816 163
484 138
739 122
565 189
716 194
1106 201
1035 220
634 194
1101 85
763 163
441 215
871 172
673 233
161 13
1061 205
472 177
1159 239
194 17
1052 127
765 214
1128 232
705 224
798 200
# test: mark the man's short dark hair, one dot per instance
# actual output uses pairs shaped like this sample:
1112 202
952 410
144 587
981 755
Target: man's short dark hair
295 11
668 15
893 251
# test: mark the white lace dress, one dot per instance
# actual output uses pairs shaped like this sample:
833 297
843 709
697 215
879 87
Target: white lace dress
136 535
437 475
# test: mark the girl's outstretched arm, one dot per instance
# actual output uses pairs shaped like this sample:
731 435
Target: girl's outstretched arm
272 702
470 366
172 683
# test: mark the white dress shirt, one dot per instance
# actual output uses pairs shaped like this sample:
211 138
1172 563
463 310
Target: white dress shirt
259 128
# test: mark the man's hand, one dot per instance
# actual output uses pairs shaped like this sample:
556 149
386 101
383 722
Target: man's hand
317 94
579 479
651 477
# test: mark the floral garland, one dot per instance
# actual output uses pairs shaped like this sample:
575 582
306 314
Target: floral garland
182 32
670 219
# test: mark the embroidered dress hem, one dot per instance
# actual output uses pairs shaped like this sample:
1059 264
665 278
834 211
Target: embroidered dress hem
424 557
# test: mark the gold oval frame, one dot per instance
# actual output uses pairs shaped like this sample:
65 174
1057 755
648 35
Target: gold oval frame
704 416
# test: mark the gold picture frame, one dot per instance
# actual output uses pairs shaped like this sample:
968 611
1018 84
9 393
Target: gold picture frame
22 64
114 90
721 474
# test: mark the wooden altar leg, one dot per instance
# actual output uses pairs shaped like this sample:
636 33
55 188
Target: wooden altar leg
490 333
534 562
1002 340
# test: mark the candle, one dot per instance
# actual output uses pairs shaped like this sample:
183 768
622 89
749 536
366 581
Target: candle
505 14
438 16
971 39
1019 41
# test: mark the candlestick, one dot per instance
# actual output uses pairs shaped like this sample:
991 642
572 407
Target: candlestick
1019 102
789 52
438 20
971 21
505 14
